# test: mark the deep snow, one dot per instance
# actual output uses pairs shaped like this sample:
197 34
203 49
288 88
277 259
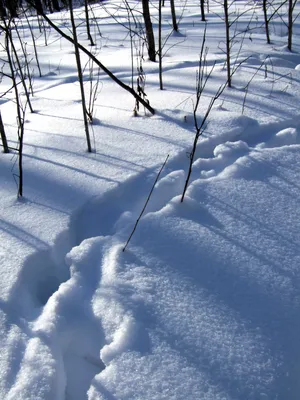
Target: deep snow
204 303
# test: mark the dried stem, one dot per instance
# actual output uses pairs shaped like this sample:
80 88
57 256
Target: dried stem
147 201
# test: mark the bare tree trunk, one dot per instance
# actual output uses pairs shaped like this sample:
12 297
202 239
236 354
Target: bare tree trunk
87 20
173 12
79 70
21 141
97 62
227 28
34 44
55 5
131 33
3 136
38 6
3 13
290 23
20 120
266 21
160 45
20 72
25 58
202 7
12 6
149 30
49 4
268 18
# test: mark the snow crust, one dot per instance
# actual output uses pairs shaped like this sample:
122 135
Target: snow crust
204 302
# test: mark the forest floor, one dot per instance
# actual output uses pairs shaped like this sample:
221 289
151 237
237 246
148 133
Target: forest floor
204 303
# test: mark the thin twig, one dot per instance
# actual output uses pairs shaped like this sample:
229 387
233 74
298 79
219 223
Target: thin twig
145 205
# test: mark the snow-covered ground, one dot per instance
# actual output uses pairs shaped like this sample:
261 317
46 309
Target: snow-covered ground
204 303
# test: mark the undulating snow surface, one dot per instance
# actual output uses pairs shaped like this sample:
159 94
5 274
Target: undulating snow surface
204 302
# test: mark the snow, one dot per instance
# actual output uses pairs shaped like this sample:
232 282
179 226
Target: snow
204 302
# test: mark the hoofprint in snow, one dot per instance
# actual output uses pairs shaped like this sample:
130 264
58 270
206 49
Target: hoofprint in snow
204 302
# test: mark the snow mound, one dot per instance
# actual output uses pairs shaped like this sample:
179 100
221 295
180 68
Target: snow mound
230 149
285 137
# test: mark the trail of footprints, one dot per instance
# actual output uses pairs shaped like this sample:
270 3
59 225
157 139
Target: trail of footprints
107 215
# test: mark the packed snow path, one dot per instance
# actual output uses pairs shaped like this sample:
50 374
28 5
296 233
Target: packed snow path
203 304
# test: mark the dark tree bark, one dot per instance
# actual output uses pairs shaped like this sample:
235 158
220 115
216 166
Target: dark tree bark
34 44
97 62
38 6
55 5
173 12
12 6
292 4
20 71
268 18
87 21
26 62
49 5
2 9
160 46
227 28
202 7
266 21
20 115
80 78
3 136
149 30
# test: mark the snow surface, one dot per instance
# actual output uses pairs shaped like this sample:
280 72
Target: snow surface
204 302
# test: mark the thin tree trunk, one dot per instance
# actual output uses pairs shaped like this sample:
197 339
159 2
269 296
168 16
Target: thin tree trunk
3 136
227 28
25 58
87 20
38 6
149 30
173 12
50 6
55 5
266 21
79 70
97 62
290 23
22 77
34 45
3 13
8 42
202 7
12 6
160 45
131 33
21 140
